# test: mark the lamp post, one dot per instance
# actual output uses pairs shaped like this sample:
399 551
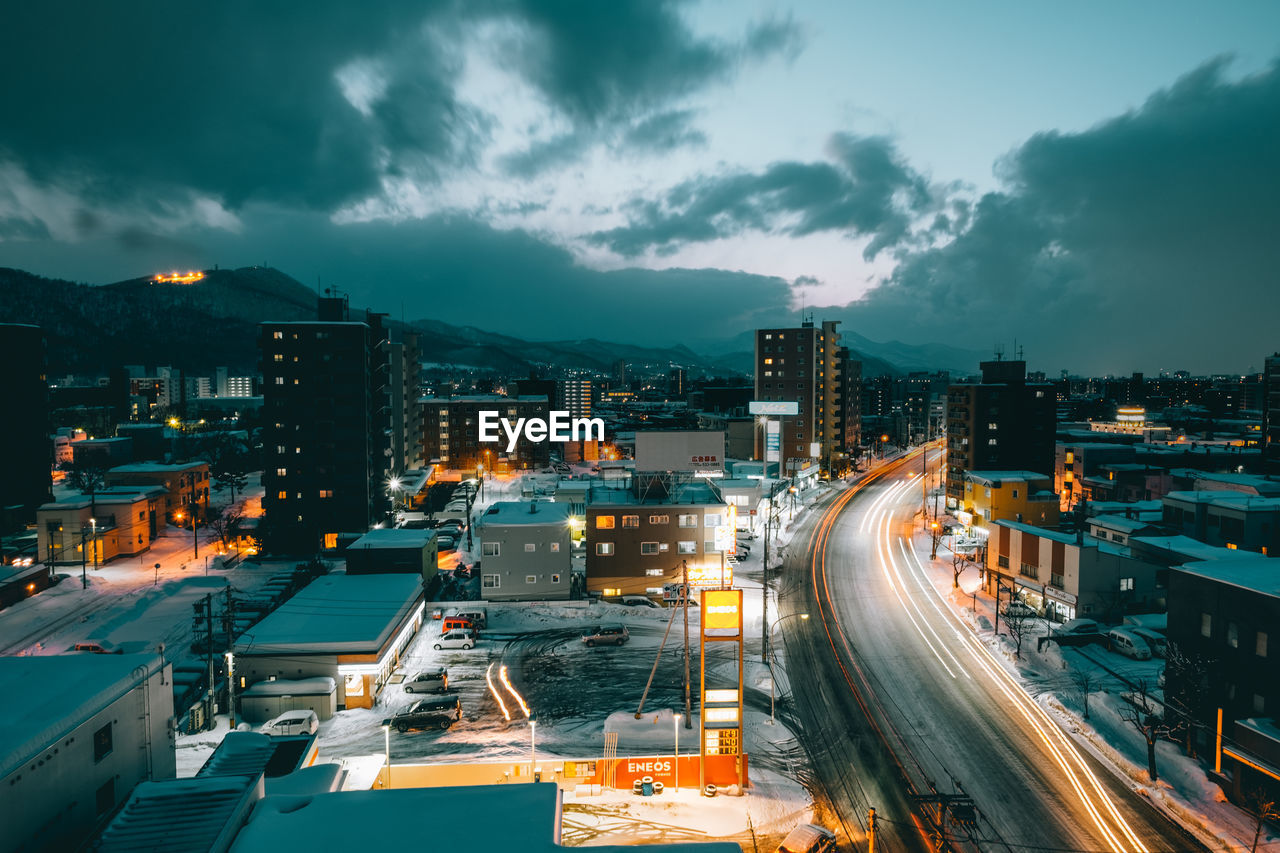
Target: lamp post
772 691
84 555
94 524
884 440
533 753
386 739
393 487
936 530
675 729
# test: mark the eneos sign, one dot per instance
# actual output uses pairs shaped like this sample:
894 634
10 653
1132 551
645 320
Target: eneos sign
722 610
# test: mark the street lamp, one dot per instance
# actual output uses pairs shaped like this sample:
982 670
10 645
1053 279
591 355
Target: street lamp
94 523
533 728
470 496
393 486
386 738
772 681
884 439
936 530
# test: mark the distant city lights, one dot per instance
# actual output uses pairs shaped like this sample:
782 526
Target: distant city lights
175 277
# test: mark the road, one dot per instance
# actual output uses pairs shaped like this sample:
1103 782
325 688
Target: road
900 698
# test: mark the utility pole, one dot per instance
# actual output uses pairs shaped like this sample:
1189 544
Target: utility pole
688 703
231 689
84 556
764 612
209 694
871 831
924 478
195 541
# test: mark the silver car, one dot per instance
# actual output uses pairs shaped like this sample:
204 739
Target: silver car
428 681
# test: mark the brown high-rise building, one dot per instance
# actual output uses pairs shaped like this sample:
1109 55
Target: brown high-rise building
26 452
803 365
1002 423
450 436
1271 415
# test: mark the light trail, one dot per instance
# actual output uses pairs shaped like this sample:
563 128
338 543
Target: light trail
488 677
506 682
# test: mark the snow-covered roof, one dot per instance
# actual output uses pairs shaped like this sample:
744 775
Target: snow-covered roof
1193 549
1005 476
181 815
156 467
393 537
1118 523
686 494
480 819
337 614
322 684
1215 496
1255 573
60 692
254 753
518 512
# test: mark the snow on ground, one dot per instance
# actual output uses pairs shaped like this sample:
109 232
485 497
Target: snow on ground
1183 791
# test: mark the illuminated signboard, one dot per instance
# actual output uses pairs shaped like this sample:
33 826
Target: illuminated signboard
726 538
772 407
722 610
701 577
772 441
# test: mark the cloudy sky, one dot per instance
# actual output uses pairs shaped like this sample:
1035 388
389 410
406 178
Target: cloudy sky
1098 180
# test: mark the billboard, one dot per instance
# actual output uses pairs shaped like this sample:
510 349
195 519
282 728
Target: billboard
726 536
722 611
772 441
710 576
772 407
680 450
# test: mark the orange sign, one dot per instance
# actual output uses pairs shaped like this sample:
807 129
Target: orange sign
700 576
722 610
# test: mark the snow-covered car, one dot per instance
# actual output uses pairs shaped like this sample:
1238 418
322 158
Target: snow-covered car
304 722
808 838
603 635
1077 628
1017 609
637 601
437 712
428 681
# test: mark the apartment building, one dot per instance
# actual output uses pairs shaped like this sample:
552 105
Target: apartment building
803 365
450 433
525 551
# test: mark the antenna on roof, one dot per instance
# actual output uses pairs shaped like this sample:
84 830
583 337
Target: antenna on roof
999 352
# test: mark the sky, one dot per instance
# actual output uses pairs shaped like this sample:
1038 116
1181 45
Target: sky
1095 180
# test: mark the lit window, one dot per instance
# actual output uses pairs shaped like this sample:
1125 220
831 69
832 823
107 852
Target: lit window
555 579
688 521
279 336
711 519
492 581
686 547
326 493
282 472
279 380
530 578
659 519
555 547
1260 646
278 357
280 496
604 522
1233 636
1206 625
1126 584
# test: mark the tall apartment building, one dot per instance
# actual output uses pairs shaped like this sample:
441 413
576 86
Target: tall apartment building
802 365
26 454
325 423
575 397
450 433
404 371
849 390
1002 423
1271 415
676 383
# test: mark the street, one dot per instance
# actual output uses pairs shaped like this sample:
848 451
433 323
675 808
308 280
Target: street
912 710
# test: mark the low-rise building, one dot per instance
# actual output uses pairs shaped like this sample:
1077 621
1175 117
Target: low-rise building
102 452
1231 519
88 729
351 628
185 483
991 496
385 550
94 530
525 551
1066 575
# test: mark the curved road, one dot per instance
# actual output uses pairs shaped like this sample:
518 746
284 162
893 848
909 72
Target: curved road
900 701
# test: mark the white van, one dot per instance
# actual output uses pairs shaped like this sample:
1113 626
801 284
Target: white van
1129 644
1158 642
808 838
292 723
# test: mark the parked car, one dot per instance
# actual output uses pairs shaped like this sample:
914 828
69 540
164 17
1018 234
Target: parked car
1076 628
606 634
436 712
474 615
637 601
457 639
454 623
808 838
446 543
1158 642
1128 644
292 723
97 648
428 681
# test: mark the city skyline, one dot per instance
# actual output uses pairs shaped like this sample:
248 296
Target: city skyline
1091 181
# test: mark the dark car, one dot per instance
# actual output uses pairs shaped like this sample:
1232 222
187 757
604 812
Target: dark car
428 681
606 634
438 712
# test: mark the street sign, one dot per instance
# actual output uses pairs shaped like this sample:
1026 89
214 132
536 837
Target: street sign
773 407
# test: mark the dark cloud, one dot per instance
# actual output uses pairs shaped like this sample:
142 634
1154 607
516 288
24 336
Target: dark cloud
664 132
865 189
1147 241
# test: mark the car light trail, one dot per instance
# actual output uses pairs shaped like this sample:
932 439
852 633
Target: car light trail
488 677
506 682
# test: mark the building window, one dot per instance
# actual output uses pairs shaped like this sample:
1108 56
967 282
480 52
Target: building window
491 549
491 581
555 579
1015 493
604 549
555 547
1055 579
326 493
102 743
686 547
530 547
278 336
630 521
688 521
1206 625
659 519
709 547
1260 646
282 496
279 380
1002 561
648 547
653 573
282 472
1126 584
278 357
528 579
281 449
1233 636
1029 571
604 522
711 519
992 442
105 798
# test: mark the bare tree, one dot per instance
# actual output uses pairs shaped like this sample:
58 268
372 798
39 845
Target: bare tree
959 562
1020 622
1263 806
88 477
1186 689
224 524
1086 681
1140 712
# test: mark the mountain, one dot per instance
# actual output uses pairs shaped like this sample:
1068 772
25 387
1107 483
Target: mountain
212 322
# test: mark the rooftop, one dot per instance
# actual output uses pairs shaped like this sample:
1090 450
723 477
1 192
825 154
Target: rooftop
1119 523
59 693
992 477
156 467
687 494
181 815
391 537
1226 498
1256 574
1186 547
526 512
337 613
